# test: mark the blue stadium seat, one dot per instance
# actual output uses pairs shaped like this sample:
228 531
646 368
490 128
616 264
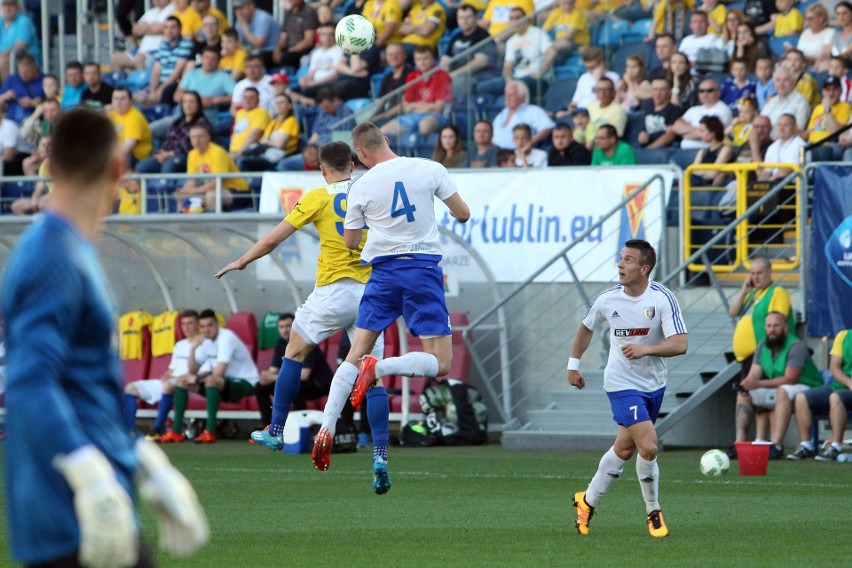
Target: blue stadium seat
114 78
635 125
156 112
376 83
572 67
356 105
642 27
559 94
443 45
776 44
481 104
138 80
611 32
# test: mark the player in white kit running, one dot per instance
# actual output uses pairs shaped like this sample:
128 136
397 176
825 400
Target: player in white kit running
395 199
646 326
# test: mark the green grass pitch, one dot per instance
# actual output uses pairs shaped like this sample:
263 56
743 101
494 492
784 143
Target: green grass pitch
487 507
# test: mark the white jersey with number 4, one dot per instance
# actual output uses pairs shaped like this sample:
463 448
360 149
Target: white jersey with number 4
395 199
644 320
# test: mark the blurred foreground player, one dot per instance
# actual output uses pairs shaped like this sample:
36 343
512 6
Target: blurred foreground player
71 466
646 326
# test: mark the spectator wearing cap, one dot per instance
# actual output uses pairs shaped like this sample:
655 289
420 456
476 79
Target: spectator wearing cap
255 77
17 32
827 118
233 60
257 29
298 34
566 151
580 118
738 85
212 83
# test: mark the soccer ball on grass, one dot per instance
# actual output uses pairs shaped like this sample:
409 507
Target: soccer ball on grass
355 34
714 463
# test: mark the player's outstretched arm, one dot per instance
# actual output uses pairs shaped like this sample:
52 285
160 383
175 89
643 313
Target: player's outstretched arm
265 245
581 343
108 533
458 208
182 522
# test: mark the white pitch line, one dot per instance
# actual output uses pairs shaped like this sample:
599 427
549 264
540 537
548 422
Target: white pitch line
425 474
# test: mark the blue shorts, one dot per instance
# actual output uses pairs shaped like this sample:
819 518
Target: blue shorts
413 289
630 407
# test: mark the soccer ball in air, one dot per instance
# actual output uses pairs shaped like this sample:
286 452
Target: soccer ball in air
714 463
355 34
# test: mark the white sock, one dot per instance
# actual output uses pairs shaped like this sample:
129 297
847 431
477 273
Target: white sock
414 364
648 473
807 445
341 386
609 469
837 446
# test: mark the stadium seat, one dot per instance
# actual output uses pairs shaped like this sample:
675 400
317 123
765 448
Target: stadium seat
640 28
156 112
356 105
264 359
114 78
443 45
635 125
159 366
138 80
559 94
611 31
776 44
572 67
646 50
244 325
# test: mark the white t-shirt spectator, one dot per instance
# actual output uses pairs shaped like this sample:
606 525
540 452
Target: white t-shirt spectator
264 89
323 62
536 159
8 134
812 44
584 94
788 152
526 52
227 348
795 103
151 43
533 116
694 115
690 45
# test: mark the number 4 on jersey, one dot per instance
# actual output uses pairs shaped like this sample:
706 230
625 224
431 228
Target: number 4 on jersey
407 208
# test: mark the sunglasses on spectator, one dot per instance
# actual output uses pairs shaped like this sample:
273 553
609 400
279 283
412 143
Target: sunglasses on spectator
706 90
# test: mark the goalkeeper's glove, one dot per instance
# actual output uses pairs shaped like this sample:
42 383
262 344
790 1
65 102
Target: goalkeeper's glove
108 531
182 523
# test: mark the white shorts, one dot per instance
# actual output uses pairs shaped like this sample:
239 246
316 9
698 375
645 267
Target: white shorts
764 398
329 309
150 391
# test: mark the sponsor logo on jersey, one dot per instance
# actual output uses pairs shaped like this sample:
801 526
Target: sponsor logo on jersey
633 332
649 312
615 314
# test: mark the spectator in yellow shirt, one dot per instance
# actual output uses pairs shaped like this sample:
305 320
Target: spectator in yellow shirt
496 17
424 24
716 14
249 124
280 139
827 118
569 26
203 7
209 158
233 60
797 64
787 21
190 19
134 135
386 17
671 17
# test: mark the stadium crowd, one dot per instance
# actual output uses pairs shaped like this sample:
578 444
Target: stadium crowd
465 83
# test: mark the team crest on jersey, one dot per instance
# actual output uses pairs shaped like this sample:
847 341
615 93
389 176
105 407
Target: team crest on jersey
650 312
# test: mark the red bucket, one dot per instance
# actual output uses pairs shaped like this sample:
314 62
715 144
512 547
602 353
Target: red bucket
753 458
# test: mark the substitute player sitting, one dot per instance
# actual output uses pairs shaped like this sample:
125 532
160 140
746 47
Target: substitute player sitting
646 326
395 199
332 306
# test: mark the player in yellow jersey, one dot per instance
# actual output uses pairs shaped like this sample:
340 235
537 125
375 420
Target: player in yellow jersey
333 305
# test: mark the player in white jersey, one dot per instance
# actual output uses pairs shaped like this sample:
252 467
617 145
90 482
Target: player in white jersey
646 326
395 199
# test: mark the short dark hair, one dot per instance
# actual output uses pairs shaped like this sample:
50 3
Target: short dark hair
561 126
211 49
25 58
83 162
207 314
666 80
256 58
483 121
607 80
73 65
231 33
92 64
174 19
504 156
325 94
367 135
739 60
700 13
336 156
286 316
189 314
424 49
794 50
611 132
519 9
647 254
251 90
465 8
525 127
666 36
714 125
124 89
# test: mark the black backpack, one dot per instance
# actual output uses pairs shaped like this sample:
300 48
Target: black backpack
455 416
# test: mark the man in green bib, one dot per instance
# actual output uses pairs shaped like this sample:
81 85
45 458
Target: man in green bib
834 398
757 297
781 369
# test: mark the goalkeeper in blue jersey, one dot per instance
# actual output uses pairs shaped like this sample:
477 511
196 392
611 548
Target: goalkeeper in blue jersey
71 466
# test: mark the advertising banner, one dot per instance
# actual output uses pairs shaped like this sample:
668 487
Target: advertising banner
521 219
829 308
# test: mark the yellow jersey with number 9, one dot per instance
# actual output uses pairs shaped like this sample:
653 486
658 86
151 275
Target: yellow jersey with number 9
325 207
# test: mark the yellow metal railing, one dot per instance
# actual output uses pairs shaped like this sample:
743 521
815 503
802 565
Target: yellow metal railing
749 235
